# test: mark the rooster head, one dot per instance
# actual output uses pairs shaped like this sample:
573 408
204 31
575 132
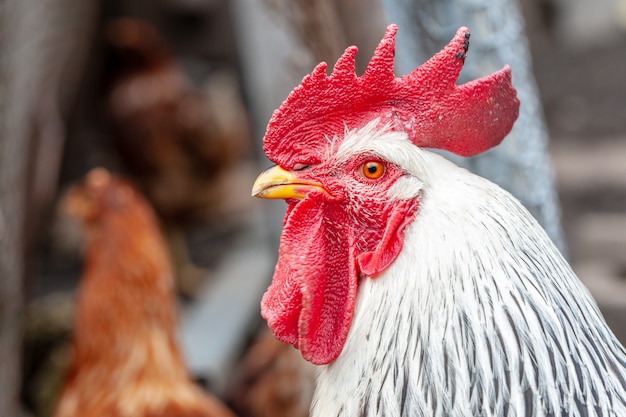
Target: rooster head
337 143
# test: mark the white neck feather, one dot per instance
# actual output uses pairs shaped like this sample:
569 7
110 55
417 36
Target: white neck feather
479 316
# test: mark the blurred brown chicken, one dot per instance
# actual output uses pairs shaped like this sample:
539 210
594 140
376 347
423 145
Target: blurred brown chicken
272 380
125 360
180 141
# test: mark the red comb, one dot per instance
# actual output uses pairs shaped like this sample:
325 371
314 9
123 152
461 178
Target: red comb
427 104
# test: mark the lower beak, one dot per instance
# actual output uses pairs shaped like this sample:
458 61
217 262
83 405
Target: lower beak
278 183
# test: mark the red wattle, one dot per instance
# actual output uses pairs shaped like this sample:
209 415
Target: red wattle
311 299
372 263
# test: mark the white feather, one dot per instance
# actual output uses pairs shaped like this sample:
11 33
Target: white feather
479 315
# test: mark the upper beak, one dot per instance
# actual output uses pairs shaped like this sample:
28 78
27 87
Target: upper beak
278 183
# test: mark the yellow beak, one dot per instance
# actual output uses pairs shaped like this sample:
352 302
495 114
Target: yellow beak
278 183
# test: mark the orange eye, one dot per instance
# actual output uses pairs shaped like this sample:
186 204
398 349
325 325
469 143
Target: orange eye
372 170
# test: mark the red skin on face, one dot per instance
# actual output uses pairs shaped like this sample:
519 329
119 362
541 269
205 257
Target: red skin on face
328 244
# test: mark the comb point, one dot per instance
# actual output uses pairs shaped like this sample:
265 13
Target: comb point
426 104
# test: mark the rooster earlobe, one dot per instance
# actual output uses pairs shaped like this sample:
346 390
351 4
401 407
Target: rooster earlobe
372 263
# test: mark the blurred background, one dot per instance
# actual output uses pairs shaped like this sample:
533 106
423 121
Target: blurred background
175 94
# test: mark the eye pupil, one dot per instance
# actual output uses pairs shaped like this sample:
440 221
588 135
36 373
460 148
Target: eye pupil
372 170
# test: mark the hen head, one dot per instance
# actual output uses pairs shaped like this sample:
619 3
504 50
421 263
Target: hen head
338 144
100 195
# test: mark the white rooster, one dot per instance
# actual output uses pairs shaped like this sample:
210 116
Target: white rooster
419 288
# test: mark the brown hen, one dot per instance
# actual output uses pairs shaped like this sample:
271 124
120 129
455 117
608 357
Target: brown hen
125 360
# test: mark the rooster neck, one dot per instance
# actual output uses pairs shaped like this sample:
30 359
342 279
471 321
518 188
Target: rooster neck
480 315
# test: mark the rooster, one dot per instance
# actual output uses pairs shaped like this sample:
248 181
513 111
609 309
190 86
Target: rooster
419 288
125 361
